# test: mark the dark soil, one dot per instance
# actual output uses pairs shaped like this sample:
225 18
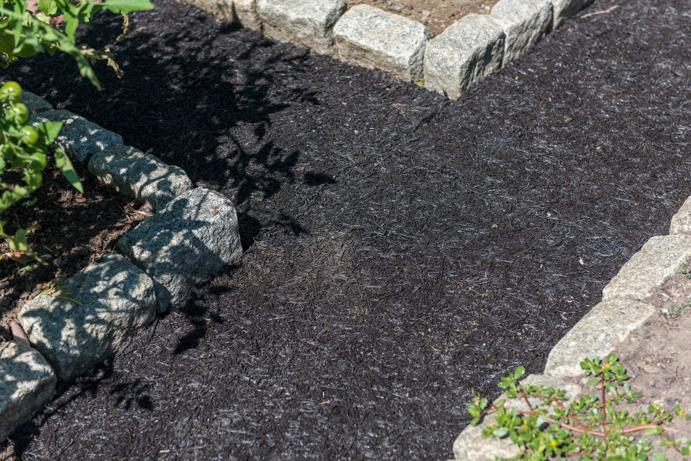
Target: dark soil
436 15
403 251
66 229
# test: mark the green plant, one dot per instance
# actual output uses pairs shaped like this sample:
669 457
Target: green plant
686 270
546 425
31 27
678 310
28 28
24 153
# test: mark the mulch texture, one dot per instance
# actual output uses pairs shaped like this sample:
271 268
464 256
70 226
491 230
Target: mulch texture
403 251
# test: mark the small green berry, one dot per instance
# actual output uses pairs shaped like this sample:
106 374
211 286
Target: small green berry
10 92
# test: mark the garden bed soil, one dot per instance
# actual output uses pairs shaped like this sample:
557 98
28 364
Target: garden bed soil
657 354
68 230
403 251
436 15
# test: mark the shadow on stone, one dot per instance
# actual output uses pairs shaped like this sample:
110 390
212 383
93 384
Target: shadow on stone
188 242
90 315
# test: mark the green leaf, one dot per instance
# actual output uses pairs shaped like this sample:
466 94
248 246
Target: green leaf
18 242
519 372
48 7
125 6
63 163
49 131
500 432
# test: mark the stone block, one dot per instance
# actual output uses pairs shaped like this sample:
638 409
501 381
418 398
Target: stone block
138 175
90 315
524 23
660 259
464 53
375 39
35 103
79 137
308 23
471 445
189 241
27 383
681 222
245 14
596 335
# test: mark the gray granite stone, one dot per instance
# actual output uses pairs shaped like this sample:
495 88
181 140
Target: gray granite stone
681 222
245 14
660 259
596 335
376 39
27 383
138 175
35 103
91 315
187 242
464 53
564 9
524 23
471 445
308 23
79 137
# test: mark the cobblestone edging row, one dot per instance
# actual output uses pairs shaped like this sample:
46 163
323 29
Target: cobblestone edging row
466 52
623 309
190 238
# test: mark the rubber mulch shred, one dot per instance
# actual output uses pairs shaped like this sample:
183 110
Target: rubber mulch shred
403 251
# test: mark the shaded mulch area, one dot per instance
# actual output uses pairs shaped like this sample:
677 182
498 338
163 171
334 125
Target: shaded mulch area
66 229
403 251
436 15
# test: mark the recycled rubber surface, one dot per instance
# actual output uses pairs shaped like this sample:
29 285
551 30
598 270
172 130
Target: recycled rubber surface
403 251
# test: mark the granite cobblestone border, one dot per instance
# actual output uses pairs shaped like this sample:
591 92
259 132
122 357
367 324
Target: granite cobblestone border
450 63
66 332
624 308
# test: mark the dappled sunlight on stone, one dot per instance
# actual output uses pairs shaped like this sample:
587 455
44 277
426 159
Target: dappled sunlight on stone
138 175
187 242
89 316
26 384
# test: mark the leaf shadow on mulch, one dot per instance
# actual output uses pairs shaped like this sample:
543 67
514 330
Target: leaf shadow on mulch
403 251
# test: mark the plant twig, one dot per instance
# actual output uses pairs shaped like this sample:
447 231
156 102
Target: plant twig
596 13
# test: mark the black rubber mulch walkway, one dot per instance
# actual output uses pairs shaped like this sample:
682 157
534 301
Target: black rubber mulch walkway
403 251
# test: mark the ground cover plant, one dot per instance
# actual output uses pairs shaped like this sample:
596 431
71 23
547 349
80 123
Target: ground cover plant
598 426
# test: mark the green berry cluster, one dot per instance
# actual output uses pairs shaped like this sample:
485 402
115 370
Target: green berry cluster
24 152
